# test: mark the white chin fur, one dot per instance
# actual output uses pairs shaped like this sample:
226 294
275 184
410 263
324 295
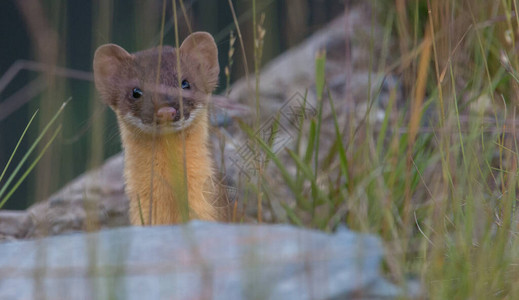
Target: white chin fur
167 128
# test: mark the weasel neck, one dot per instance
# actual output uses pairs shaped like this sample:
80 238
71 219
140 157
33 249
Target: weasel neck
169 176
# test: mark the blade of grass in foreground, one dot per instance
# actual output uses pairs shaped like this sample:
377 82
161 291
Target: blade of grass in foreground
284 172
343 160
292 215
320 65
31 149
26 173
18 144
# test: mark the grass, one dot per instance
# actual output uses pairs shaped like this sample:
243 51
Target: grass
436 179
5 194
442 195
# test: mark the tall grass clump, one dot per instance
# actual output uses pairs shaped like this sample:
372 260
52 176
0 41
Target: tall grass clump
437 178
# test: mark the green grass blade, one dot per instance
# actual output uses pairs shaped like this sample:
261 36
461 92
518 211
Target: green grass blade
295 187
383 129
300 131
292 215
18 144
31 167
311 142
320 80
284 173
307 171
320 63
343 160
31 149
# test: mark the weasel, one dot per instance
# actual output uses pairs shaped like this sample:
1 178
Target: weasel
160 97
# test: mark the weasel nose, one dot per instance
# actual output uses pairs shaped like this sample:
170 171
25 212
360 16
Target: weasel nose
167 113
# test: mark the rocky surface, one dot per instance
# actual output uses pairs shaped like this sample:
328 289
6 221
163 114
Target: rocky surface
199 260
97 196
347 42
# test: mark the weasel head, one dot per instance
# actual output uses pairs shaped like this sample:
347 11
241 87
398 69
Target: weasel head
160 90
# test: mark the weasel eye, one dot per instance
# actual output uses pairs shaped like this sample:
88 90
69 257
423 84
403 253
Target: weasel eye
185 84
136 93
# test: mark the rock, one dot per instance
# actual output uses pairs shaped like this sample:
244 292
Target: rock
14 224
347 42
199 260
98 194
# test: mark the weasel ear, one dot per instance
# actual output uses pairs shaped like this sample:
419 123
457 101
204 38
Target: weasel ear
201 49
108 60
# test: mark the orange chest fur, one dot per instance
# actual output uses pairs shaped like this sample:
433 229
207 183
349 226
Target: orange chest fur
168 178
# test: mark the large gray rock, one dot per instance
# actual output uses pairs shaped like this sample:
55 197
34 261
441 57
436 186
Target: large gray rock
200 260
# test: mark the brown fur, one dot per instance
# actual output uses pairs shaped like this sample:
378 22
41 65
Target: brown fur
168 167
